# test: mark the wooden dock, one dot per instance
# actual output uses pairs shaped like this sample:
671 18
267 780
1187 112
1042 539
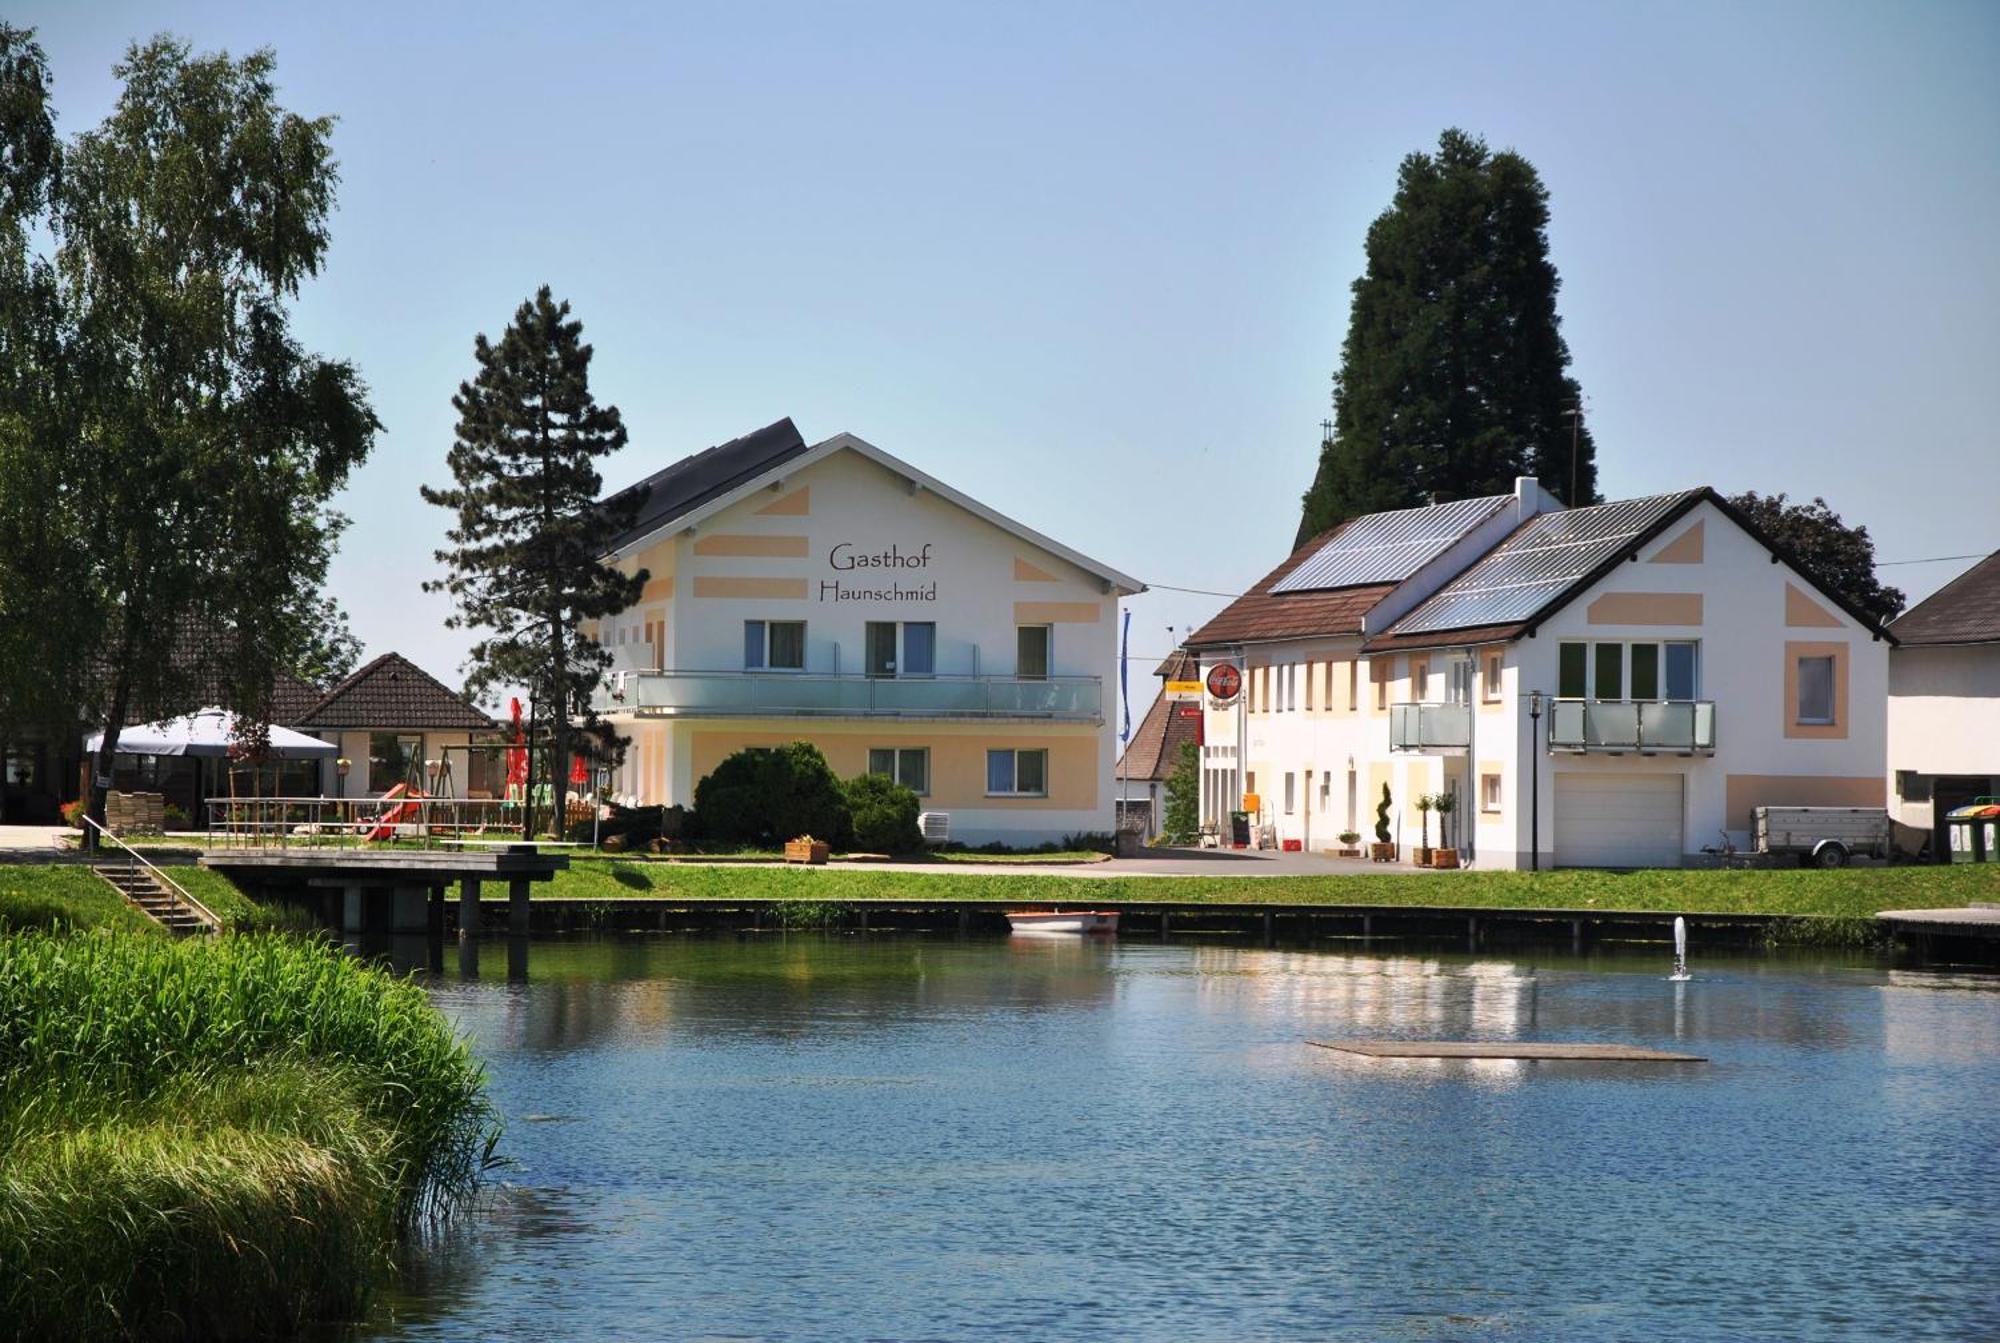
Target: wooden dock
1507 1049
1980 920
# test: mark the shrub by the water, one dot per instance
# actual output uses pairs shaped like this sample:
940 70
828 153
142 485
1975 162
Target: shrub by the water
217 1137
765 796
884 815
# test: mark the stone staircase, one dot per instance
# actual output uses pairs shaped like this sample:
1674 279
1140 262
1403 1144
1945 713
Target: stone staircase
144 891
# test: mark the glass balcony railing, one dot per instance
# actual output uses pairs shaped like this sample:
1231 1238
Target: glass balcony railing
1682 726
738 694
1429 727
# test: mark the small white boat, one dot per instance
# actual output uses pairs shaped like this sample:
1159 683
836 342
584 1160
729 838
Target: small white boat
1063 921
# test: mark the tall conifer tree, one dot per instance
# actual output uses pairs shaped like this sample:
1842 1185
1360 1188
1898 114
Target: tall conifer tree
1453 378
526 563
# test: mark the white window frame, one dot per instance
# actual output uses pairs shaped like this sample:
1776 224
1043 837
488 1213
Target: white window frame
895 770
766 665
1048 653
1625 647
1491 791
1014 772
1806 719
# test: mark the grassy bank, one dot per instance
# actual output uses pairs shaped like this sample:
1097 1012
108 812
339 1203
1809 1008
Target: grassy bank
1847 893
216 1137
69 895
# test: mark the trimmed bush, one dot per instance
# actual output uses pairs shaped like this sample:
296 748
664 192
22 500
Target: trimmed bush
884 815
762 796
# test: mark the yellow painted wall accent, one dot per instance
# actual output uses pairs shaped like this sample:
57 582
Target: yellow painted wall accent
1683 549
731 543
1646 608
797 504
1837 729
1802 612
1058 613
657 590
1025 572
776 589
1498 771
958 762
1746 791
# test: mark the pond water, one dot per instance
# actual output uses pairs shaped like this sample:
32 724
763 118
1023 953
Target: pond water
843 1137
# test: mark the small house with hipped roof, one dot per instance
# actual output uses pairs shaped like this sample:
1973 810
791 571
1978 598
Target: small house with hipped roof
1944 700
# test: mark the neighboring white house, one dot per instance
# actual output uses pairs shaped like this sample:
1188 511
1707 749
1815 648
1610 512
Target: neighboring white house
1944 699
1685 672
835 594
1155 750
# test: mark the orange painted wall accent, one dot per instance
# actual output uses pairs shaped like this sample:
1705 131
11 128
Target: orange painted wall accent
768 547
657 590
1683 549
1646 608
958 763
1745 791
1025 572
753 589
797 504
1058 613
1837 729
1802 612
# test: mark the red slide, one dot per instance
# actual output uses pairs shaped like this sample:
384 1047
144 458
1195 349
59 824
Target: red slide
386 823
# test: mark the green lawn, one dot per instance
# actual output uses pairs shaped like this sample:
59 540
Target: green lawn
1847 893
42 895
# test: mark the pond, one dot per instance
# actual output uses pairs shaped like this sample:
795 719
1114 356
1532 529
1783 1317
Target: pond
844 1137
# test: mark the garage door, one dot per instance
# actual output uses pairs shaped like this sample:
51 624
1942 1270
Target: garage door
1609 820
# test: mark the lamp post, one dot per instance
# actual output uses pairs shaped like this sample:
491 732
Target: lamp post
1535 781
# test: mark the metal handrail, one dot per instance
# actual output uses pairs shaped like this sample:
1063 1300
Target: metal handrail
344 822
175 891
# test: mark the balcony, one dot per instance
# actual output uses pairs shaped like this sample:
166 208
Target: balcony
690 694
1430 727
1648 727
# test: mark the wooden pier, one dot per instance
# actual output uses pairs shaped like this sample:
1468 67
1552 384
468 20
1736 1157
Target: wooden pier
393 890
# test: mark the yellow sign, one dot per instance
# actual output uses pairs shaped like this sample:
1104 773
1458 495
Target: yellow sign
1183 690
1252 803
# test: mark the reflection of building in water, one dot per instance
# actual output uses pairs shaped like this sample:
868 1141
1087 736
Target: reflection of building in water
1389 995
1926 1018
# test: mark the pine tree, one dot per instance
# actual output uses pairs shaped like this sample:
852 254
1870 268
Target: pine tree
1453 376
526 563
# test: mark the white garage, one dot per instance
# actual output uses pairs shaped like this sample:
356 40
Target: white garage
1618 820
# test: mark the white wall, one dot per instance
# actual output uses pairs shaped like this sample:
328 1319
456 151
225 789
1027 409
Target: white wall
1944 715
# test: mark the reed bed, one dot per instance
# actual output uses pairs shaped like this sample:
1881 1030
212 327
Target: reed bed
217 1137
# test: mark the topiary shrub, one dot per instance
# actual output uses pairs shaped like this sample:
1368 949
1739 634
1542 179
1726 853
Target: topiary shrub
1382 817
762 796
884 814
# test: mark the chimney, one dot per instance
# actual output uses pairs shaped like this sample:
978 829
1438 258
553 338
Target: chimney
1533 499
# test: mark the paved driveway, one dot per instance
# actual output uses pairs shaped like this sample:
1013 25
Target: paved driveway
42 837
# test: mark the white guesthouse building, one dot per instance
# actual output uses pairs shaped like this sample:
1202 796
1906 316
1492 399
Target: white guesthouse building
834 594
1685 672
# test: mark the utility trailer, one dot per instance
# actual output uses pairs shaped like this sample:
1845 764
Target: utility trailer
1822 836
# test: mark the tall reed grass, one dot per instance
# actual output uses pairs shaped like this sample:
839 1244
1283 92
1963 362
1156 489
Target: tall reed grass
217 1137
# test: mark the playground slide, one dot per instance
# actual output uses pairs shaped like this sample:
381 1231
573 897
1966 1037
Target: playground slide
391 817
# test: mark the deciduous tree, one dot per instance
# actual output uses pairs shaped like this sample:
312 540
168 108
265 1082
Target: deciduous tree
526 561
1453 377
1840 556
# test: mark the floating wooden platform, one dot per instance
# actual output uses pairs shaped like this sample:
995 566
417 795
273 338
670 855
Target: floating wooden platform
1519 1049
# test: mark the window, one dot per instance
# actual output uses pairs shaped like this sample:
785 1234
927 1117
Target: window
1031 655
1379 671
1291 792
1354 686
1489 792
390 759
879 647
1489 684
1815 690
1637 671
1572 675
774 645
1017 773
1608 678
907 765
1645 671
1682 664
1311 669
919 648
1458 681
1912 786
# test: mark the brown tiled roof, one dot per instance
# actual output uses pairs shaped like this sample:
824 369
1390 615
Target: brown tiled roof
392 692
1260 614
1963 611
1156 746
1479 634
1180 665
292 699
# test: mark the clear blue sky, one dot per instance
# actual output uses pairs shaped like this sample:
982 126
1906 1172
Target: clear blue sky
1090 262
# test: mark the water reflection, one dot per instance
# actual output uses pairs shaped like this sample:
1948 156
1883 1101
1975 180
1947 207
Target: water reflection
845 1137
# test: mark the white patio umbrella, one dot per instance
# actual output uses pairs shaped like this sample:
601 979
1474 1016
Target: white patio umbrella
208 733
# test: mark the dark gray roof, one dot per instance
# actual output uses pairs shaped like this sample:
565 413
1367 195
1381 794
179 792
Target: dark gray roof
1389 547
691 482
1543 559
1963 611
392 692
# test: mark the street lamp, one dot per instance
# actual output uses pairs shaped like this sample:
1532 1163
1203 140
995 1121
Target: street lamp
1535 781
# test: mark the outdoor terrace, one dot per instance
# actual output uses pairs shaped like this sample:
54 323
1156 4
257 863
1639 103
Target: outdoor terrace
757 694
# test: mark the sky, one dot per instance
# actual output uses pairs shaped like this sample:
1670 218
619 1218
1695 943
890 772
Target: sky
1090 262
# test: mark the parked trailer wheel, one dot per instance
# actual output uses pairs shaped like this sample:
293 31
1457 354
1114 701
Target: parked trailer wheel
1830 854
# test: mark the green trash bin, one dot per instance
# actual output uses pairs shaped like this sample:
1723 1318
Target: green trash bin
1972 832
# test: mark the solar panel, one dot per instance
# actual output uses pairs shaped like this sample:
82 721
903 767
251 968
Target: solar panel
1537 564
1388 547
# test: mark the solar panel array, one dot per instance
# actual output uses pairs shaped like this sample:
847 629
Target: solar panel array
1389 547
1537 564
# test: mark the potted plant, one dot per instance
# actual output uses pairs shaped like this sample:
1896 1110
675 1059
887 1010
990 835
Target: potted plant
806 849
1424 804
1350 844
1382 850
1445 856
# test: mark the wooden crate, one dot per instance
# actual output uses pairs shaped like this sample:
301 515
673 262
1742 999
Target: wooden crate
806 849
